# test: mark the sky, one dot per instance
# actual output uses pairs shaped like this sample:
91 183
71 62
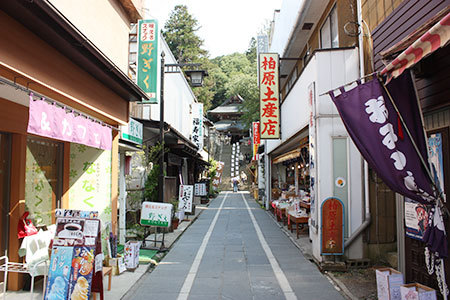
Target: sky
226 26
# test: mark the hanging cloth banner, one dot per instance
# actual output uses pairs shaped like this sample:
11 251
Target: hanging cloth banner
430 41
375 127
55 122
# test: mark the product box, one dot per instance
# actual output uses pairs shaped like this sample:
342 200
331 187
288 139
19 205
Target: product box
388 283
59 273
82 272
417 291
131 254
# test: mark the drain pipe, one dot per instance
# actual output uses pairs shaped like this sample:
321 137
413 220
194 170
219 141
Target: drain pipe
367 217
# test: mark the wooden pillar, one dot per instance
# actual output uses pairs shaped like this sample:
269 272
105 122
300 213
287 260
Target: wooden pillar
17 203
66 176
114 180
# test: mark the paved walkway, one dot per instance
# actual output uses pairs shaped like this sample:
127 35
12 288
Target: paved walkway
234 250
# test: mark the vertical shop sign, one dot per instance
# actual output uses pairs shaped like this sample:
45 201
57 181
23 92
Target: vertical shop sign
147 58
185 197
218 177
269 96
197 125
90 180
256 139
200 189
332 242
312 152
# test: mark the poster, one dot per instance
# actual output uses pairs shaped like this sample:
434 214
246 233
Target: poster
200 189
436 160
82 271
156 214
416 219
185 197
59 273
90 181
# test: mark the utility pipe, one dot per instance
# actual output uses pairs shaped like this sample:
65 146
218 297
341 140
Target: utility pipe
367 217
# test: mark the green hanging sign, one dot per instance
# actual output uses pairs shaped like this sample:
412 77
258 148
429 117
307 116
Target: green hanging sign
147 58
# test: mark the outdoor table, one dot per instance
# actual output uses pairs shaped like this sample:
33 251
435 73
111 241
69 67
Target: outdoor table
297 220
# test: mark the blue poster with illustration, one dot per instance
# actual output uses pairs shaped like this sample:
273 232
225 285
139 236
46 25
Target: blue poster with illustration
59 273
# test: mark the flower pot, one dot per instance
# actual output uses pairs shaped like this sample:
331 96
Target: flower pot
175 222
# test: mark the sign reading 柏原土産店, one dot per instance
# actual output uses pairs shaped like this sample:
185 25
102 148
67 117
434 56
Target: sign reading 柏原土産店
269 96
147 58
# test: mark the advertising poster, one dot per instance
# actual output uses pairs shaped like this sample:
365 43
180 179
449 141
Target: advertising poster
416 219
435 157
59 273
90 181
200 189
185 197
82 271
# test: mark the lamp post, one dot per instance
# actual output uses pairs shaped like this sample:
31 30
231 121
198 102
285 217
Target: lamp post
196 77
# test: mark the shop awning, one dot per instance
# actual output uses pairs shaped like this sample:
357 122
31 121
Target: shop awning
286 156
422 42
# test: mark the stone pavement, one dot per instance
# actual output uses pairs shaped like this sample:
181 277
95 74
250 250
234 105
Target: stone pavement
234 250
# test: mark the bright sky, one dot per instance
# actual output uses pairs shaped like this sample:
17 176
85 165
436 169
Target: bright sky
226 26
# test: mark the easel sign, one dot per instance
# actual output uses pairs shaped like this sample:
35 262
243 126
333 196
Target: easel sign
332 227
76 248
185 198
156 214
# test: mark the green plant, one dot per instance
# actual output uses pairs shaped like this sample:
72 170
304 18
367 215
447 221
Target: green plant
151 185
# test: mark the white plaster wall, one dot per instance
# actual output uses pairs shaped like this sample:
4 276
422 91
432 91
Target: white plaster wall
107 30
178 96
284 23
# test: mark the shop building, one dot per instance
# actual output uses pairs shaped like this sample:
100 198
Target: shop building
51 50
315 159
393 28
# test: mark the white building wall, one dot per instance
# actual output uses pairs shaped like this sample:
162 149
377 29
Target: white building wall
84 15
327 70
178 97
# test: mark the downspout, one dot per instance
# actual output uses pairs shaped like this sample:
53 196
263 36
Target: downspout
367 217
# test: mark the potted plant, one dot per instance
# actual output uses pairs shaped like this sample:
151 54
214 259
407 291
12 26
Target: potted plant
175 220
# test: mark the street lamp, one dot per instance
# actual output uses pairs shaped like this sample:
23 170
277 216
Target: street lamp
196 77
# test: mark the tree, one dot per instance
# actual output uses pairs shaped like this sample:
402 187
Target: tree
180 34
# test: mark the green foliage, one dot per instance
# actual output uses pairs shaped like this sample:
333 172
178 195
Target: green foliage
151 185
180 34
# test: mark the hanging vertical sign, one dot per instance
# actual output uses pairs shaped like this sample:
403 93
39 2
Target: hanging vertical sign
332 242
197 125
256 139
147 58
269 96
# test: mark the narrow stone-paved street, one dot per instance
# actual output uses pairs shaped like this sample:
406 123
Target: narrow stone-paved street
234 250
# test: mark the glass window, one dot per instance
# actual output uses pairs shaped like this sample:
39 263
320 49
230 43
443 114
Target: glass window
43 179
5 158
329 32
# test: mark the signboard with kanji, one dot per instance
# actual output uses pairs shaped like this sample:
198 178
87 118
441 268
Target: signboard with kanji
269 96
156 214
197 125
200 189
185 197
147 58
332 227
218 177
132 132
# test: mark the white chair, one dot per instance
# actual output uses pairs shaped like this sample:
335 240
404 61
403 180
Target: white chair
22 268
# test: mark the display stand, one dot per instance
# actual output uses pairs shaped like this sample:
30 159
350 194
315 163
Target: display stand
76 259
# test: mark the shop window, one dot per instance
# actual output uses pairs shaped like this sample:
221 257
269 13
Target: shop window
43 179
329 31
5 158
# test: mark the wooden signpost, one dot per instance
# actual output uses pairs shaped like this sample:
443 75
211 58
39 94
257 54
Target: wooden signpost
332 226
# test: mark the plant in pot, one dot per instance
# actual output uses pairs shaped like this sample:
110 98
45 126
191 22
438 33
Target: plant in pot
175 220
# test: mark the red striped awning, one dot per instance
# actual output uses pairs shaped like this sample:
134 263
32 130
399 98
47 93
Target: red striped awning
436 37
